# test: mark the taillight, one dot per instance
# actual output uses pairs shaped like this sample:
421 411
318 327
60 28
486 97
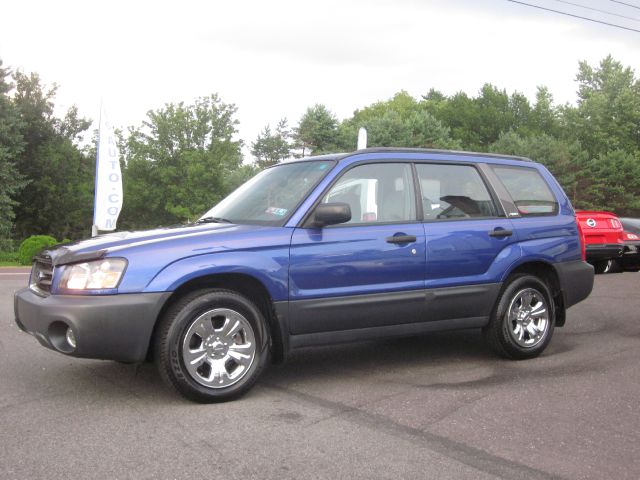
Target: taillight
615 223
583 248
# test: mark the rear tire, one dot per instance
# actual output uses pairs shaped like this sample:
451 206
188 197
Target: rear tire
615 266
599 267
212 345
523 319
608 266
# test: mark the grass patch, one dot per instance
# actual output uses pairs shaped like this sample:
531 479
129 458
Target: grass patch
10 264
9 259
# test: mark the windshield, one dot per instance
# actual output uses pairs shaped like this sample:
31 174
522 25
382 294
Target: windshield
271 196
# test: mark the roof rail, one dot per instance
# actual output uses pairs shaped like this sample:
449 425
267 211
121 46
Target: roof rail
433 150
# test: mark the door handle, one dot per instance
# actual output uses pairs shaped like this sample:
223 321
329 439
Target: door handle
500 232
401 239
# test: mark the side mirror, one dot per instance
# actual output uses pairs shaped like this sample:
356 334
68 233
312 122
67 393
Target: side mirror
331 214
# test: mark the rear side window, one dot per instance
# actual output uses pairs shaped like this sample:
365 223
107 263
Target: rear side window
528 190
453 192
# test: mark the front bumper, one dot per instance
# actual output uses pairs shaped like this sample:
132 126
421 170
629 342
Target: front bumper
112 327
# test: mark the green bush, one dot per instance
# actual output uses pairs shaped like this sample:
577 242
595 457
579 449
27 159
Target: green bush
32 245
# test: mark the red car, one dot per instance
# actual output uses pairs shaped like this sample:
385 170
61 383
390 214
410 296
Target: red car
631 237
603 237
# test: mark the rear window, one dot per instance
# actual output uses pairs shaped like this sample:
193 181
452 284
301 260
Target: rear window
528 190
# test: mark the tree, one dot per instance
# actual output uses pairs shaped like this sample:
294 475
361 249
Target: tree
479 121
615 183
494 113
459 114
58 198
403 104
607 117
316 131
398 122
180 162
418 129
544 118
566 160
11 145
269 149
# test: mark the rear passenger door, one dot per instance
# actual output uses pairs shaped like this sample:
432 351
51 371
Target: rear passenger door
465 230
546 227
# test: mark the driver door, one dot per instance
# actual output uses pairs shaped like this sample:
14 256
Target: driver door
368 272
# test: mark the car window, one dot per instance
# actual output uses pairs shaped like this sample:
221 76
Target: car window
528 189
631 225
376 193
453 192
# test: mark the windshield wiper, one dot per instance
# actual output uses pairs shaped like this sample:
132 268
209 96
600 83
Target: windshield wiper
212 220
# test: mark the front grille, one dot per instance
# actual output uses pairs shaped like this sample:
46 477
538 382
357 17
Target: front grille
42 275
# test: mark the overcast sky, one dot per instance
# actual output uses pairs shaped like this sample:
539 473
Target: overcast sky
273 59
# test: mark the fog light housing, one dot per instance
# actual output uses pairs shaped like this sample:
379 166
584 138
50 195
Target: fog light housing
71 338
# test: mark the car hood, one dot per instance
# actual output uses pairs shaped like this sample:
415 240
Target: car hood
111 243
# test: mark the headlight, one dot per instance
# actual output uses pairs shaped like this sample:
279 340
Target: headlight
98 275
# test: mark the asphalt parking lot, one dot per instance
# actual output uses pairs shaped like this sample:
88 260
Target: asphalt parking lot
434 407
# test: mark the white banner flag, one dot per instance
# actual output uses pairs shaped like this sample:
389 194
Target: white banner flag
108 193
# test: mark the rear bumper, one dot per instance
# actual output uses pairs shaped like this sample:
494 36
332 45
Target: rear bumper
576 281
631 256
604 251
113 327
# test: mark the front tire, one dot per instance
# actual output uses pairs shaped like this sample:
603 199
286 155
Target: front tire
212 345
523 320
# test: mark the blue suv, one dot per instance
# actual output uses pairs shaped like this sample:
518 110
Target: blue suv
337 248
